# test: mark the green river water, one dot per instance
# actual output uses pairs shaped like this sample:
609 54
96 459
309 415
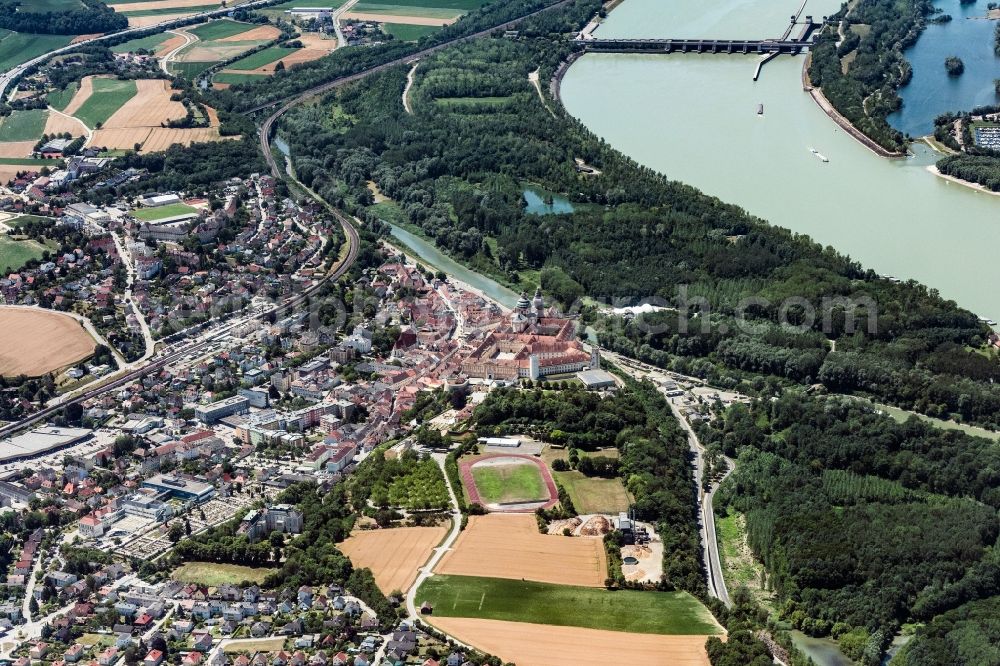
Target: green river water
694 118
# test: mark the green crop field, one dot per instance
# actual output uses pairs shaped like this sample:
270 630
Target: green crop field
443 13
16 47
162 212
14 253
261 58
329 4
42 6
60 99
409 33
509 483
594 494
24 125
193 69
30 162
220 29
109 95
670 613
233 78
166 11
213 574
149 42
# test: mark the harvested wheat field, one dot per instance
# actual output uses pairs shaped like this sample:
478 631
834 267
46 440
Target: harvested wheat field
393 555
509 546
34 342
13 149
58 123
543 645
150 106
264 33
83 93
120 139
162 138
397 18
8 172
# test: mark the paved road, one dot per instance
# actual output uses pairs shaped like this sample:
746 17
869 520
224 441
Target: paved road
710 543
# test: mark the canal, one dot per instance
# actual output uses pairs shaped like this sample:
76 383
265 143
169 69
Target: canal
426 252
891 215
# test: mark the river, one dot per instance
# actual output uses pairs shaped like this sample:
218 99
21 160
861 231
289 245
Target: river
891 215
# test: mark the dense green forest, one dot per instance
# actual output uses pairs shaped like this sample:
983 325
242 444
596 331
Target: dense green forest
862 523
981 169
966 636
455 166
96 17
866 93
654 457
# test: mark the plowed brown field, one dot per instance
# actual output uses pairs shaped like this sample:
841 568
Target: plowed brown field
509 546
393 555
545 645
34 342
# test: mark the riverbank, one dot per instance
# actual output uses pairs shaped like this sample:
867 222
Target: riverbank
837 117
965 183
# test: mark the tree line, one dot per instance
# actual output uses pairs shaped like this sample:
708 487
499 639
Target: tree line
95 17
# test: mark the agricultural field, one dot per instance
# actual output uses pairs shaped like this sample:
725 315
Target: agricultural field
23 125
502 482
219 29
60 99
219 41
152 43
268 56
190 70
632 611
260 645
16 47
509 546
232 78
594 494
105 97
393 555
409 33
213 573
34 341
162 212
413 12
542 645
